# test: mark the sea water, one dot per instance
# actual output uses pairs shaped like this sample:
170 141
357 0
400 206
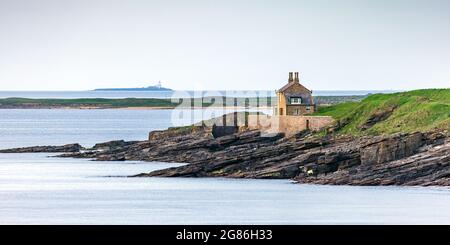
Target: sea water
38 188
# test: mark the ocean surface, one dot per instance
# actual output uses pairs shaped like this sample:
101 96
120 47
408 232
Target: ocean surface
42 189
169 94
30 127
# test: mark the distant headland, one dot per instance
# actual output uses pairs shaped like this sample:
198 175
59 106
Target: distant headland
157 87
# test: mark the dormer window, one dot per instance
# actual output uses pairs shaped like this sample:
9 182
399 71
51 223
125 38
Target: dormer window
296 100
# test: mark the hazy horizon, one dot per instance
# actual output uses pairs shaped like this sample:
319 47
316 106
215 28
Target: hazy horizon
51 45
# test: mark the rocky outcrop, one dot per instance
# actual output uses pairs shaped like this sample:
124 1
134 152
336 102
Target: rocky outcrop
400 159
390 160
385 149
377 117
63 148
177 131
431 166
112 145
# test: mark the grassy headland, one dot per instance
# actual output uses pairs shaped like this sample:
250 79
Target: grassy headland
417 110
154 102
87 102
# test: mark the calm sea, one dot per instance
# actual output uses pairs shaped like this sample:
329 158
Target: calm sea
40 189
168 94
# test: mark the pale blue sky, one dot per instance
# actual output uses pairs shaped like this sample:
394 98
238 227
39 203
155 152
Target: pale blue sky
335 45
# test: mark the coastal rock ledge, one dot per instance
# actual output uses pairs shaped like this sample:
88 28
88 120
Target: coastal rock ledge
37 149
398 159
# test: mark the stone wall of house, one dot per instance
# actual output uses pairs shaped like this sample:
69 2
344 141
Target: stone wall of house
301 109
281 105
288 124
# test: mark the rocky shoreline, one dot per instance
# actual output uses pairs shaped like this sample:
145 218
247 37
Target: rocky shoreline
44 149
399 159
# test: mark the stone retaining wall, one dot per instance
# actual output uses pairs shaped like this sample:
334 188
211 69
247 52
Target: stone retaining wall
288 124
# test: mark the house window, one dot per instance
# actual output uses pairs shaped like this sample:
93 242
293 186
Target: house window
296 112
308 108
296 100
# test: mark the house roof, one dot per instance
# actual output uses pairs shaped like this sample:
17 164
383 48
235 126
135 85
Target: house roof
287 86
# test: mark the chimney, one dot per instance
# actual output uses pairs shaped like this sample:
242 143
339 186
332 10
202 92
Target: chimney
296 79
291 79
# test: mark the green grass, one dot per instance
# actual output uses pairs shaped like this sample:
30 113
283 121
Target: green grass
418 110
128 102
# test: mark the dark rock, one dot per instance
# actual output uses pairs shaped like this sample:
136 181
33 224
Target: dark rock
220 131
427 168
402 159
111 145
386 149
178 131
34 149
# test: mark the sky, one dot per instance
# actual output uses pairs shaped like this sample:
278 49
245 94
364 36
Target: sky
224 45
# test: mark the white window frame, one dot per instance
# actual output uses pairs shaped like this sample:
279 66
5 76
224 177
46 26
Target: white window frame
296 100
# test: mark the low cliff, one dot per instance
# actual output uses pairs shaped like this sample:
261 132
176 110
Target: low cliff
399 159
402 159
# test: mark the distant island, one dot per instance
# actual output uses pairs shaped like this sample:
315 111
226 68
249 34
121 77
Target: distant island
157 87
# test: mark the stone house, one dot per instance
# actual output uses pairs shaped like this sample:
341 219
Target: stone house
294 99
292 112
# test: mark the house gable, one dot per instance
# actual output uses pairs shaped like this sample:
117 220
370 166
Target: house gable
294 98
294 87
296 90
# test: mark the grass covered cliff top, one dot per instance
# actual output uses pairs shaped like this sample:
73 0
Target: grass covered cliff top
417 110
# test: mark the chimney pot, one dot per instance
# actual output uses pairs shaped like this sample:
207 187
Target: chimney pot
291 79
